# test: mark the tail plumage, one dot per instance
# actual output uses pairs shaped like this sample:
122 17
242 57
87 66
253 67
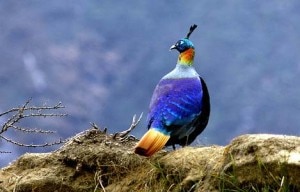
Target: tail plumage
151 142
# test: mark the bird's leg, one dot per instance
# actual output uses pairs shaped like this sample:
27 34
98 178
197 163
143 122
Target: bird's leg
186 143
174 148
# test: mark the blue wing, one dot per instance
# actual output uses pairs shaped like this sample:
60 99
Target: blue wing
175 103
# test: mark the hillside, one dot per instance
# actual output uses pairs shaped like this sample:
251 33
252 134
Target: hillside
96 161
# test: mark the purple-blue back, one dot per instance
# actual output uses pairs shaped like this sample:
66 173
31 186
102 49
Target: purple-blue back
175 104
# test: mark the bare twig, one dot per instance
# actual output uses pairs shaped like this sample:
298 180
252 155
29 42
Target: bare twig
60 141
5 151
95 126
26 111
133 125
33 108
29 130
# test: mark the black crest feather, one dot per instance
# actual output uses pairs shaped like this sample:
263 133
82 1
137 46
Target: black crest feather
192 28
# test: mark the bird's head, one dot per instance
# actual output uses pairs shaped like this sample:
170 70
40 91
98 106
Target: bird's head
186 49
184 44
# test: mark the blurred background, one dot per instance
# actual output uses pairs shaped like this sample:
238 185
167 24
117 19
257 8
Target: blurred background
102 60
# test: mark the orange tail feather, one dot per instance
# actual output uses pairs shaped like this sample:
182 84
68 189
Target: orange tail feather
151 142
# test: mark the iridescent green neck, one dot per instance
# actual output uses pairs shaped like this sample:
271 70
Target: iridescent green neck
186 57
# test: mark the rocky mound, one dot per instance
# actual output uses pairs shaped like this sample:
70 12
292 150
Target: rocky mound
96 161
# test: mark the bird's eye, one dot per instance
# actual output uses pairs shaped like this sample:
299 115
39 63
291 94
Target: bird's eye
179 43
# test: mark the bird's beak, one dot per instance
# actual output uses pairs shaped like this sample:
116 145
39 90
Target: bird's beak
172 47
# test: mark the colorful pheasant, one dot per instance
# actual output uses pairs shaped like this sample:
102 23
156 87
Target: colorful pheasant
180 107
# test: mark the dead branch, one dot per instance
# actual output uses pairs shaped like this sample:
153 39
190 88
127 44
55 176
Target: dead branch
123 135
133 125
15 115
5 151
95 126
60 141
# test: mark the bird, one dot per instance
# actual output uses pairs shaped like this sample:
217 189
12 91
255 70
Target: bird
180 105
